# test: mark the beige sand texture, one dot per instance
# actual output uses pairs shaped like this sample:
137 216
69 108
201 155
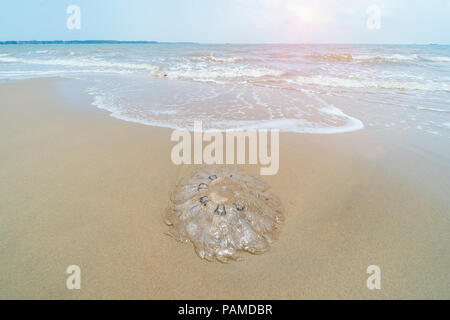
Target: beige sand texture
80 187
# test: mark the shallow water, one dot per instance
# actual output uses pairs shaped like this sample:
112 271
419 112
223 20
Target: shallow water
300 88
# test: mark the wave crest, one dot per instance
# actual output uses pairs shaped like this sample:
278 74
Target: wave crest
333 57
211 58
393 58
352 82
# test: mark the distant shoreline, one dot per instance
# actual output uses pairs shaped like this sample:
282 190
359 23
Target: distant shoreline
87 42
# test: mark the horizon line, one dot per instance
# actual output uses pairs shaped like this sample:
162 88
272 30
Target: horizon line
6 42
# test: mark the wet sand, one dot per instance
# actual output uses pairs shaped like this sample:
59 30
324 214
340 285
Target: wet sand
78 187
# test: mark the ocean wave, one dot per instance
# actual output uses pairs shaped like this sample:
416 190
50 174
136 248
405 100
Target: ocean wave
349 124
373 83
433 109
44 51
82 63
328 118
181 71
387 58
220 73
393 58
70 53
8 59
333 57
211 58
438 59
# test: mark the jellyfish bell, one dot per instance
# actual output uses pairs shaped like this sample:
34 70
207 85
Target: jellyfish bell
223 212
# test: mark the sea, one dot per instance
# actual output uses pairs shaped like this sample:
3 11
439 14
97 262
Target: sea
317 89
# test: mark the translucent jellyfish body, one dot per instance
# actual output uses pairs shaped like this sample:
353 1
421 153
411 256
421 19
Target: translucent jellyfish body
223 212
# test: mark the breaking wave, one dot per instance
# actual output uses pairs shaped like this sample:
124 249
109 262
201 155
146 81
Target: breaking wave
393 58
353 82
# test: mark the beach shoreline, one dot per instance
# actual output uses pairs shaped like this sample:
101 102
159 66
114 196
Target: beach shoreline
82 188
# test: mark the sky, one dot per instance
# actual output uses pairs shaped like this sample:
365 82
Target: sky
231 21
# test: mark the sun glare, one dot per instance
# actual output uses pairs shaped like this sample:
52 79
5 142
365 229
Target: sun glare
304 13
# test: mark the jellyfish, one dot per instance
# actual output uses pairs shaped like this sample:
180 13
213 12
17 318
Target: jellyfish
223 212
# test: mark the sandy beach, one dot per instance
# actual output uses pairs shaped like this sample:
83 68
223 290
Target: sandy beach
80 187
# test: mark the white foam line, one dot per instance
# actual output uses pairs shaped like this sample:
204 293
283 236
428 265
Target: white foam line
328 81
284 125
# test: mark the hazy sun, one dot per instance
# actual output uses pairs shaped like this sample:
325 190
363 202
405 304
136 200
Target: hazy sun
304 13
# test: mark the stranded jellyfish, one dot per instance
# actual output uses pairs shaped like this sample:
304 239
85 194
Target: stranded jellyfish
222 211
